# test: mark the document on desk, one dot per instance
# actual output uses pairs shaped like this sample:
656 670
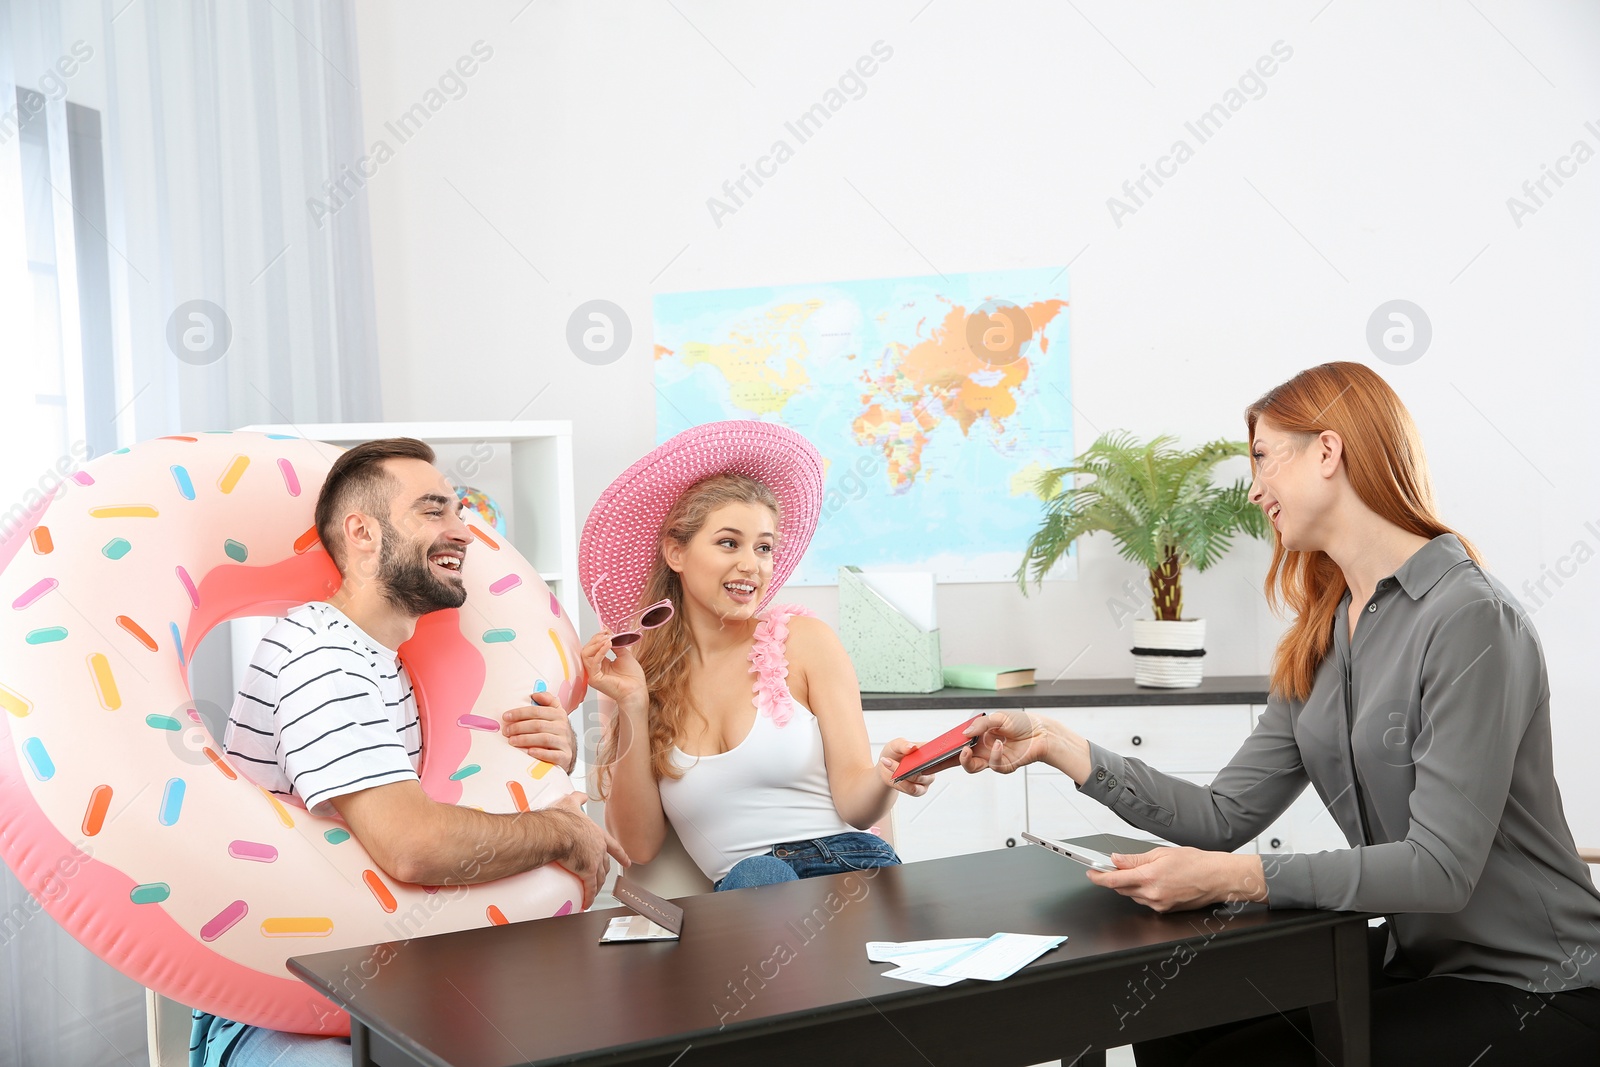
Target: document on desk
947 961
635 928
907 951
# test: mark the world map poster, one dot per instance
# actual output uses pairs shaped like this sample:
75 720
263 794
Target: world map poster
936 402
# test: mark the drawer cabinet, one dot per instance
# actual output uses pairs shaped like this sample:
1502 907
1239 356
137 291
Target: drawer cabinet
1177 740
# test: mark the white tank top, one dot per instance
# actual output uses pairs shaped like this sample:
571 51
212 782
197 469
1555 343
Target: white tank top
769 788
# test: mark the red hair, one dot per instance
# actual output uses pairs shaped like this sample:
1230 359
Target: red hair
1384 462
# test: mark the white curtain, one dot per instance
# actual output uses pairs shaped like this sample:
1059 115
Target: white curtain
163 187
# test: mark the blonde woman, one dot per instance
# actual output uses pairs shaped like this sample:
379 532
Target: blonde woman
1410 691
738 724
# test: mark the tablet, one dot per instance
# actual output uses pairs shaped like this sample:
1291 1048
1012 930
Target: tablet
1098 861
936 755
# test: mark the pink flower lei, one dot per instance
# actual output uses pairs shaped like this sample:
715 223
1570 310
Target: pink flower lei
770 665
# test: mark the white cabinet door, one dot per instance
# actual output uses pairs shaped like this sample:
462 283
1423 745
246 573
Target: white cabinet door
1177 739
1189 742
1056 809
960 812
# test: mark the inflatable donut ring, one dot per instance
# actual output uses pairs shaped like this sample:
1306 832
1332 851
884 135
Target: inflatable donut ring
118 811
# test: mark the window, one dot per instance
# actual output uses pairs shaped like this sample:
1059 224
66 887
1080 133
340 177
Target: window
59 379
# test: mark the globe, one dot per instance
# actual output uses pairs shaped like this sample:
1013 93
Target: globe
485 505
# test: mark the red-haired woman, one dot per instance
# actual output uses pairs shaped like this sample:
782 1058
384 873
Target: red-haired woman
1410 691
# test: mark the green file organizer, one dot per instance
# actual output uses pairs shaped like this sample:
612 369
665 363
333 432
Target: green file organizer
891 653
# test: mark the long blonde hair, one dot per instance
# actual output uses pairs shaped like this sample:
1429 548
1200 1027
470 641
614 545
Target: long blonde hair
664 651
1386 467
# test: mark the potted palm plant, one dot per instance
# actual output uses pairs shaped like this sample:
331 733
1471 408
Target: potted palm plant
1160 506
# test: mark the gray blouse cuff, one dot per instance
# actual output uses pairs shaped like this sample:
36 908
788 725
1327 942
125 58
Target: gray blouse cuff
1289 881
1140 797
1107 779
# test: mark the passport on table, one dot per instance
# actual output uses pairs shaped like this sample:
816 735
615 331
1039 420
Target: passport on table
653 918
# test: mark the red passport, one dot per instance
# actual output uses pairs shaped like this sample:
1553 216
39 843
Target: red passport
943 751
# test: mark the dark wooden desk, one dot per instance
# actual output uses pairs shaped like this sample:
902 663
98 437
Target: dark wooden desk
780 975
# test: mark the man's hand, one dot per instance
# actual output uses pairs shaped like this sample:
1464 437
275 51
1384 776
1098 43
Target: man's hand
542 730
1177 879
421 841
586 845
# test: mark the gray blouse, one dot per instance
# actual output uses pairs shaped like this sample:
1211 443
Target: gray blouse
1428 739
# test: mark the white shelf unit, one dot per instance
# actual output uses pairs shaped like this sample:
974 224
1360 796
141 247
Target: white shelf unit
525 466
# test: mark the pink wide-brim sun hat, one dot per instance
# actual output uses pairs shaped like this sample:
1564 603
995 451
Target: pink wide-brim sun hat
622 535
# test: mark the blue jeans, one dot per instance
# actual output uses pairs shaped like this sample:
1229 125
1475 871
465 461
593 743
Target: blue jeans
793 860
224 1043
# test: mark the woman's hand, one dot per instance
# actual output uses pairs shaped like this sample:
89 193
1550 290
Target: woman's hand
542 730
1177 879
890 758
617 675
1006 741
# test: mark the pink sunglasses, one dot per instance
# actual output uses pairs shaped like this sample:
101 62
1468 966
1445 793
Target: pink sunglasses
648 618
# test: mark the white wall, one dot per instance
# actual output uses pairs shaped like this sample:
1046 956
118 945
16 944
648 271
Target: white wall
1376 165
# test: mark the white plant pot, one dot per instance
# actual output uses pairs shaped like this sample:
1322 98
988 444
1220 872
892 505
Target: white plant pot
1175 655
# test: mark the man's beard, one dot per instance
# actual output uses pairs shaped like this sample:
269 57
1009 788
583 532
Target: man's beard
409 582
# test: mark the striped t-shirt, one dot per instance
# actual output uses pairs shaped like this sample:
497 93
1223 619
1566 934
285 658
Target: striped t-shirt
324 710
